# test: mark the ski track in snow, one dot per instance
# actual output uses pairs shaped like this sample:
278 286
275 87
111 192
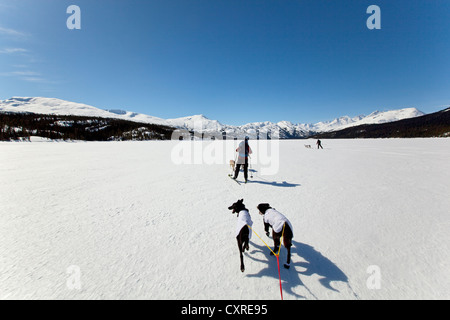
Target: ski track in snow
140 227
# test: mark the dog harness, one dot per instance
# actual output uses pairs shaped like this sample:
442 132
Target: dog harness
243 220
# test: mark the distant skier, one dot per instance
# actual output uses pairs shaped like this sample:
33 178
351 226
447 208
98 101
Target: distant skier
244 151
319 144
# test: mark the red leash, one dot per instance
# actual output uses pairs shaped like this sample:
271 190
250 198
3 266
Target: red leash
276 255
279 276
278 262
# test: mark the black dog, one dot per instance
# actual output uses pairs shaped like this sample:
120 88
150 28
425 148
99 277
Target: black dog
242 229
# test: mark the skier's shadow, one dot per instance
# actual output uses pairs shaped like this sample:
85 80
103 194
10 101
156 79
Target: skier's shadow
276 184
261 180
309 262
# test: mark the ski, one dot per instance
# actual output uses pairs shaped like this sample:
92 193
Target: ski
231 177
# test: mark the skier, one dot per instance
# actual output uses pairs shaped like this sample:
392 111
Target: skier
243 151
319 144
281 227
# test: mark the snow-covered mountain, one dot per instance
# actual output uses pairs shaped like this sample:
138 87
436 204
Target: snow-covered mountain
62 107
200 123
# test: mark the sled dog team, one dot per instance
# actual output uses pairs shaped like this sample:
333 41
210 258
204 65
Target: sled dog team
281 228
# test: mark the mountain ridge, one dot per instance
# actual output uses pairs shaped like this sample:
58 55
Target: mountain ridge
436 124
202 124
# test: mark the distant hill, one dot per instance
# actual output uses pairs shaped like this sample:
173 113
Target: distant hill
431 125
22 126
200 123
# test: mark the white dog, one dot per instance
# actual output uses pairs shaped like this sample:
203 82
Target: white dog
232 164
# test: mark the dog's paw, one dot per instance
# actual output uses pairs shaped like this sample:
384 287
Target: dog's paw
287 266
242 268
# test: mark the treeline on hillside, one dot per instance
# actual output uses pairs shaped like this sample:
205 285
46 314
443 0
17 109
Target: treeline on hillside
21 126
431 125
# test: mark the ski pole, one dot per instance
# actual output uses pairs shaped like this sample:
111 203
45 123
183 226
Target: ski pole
235 163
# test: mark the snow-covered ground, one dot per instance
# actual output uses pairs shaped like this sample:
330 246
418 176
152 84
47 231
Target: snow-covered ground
122 220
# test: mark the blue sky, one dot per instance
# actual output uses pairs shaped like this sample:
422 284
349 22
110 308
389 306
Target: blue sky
236 61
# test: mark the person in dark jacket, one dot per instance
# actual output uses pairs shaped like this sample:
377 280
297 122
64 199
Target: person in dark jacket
319 144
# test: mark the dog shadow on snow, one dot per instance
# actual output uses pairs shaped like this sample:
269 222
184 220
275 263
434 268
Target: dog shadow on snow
305 261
